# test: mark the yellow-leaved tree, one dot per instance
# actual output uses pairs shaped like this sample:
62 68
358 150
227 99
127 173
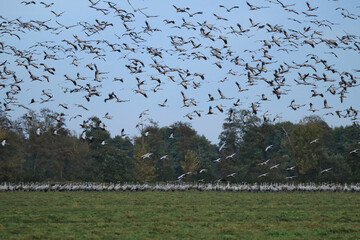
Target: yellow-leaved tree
190 163
144 166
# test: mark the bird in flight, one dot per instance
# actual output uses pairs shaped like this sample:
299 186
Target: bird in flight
229 9
263 163
263 175
314 141
268 147
217 160
325 170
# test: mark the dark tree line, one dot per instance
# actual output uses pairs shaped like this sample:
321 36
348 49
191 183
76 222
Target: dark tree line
39 147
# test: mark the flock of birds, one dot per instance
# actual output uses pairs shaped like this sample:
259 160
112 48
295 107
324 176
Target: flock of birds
243 187
127 54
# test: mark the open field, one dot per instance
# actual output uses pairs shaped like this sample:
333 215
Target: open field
179 215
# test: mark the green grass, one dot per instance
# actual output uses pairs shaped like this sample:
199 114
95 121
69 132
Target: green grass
179 215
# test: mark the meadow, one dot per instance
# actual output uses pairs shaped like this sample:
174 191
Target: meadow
179 215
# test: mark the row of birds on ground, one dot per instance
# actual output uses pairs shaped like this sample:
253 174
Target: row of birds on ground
243 187
131 39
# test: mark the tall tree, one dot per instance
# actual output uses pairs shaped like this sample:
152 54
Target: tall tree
238 127
144 168
190 164
11 156
309 141
118 162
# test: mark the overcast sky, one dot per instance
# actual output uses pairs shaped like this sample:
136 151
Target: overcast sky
332 26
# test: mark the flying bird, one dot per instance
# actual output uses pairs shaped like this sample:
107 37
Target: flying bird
203 170
163 104
325 170
314 141
268 147
263 163
229 9
263 175
217 160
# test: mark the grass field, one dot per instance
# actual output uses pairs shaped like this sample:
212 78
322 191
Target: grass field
179 215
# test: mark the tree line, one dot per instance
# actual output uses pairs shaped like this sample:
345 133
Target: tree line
39 147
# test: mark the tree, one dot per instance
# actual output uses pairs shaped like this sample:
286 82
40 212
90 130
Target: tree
339 171
118 162
190 163
151 141
346 141
53 153
205 153
163 154
240 136
235 126
309 145
144 168
254 153
11 156
41 148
